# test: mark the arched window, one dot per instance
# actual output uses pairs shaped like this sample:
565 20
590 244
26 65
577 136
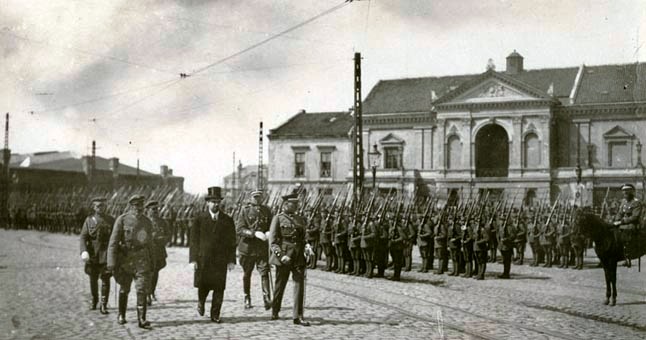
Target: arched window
532 150
454 155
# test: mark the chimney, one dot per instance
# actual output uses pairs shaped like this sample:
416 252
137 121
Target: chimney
113 165
163 170
170 172
514 63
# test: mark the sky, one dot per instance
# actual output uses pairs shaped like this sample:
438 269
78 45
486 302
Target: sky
75 71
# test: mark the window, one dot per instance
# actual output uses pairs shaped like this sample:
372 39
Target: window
326 164
299 164
454 153
392 157
532 151
618 154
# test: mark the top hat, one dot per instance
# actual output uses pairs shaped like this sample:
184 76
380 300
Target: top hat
214 193
136 199
627 186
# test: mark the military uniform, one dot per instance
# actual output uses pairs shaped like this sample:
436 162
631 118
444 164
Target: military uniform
381 248
454 243
130 257
254 251
506 234
520 241
467 249
367 242
312 236
440 244
425 246
409 242
161 236
534 243
563 243
480 248
326 238
397 234
287 245
354 244
95 237
341 246
546 238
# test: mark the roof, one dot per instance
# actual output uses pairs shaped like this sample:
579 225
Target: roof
246 170
76 165
315 125
612 84
599 84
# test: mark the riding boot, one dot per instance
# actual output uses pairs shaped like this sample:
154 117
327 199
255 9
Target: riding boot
266 294
141 316
423 269
369 269
522 257
246 283
94 289
105 293
123 305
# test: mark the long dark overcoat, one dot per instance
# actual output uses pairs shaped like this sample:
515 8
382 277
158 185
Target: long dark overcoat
212 247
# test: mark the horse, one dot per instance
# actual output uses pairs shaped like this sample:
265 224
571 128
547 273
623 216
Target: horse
608 246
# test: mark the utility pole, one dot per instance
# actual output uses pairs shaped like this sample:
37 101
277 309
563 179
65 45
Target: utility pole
233 178
357 141
4 177
260 185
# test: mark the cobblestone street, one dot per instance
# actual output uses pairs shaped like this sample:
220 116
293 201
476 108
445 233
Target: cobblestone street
45 295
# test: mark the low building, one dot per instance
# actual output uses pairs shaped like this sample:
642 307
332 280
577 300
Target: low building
244 180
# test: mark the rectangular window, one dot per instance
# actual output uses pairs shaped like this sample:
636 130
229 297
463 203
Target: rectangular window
392 157
299 164
619 155
326 164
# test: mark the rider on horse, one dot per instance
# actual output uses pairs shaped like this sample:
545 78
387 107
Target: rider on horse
628 217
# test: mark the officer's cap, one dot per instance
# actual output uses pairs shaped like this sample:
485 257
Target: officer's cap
98 200
152 204
136 199
256 193
290 198
627 186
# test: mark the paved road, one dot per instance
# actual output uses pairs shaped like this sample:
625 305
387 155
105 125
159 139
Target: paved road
44 295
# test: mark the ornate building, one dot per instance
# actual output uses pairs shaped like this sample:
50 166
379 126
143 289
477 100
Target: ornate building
529 134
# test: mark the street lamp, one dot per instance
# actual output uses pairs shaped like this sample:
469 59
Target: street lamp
373 158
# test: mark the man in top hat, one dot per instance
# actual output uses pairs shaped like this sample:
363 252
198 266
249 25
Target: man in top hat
129 257
95 236
252 226
161 236
627 218
288 249
212 251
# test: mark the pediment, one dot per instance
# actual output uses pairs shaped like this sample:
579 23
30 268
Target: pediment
493 87
493 90
391 139
618 132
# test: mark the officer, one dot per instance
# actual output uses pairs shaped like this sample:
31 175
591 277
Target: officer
251 227
425 245
627 218
161 236
95 236
129 257
288 251
440 240
506 235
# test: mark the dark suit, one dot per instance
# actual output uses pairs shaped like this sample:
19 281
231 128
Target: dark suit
212 247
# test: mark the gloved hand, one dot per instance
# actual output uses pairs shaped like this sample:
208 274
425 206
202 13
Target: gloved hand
617 223
285 259
85 256
308 250
193 265
260 235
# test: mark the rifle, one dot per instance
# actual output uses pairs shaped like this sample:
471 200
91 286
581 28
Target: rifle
604 204
552 210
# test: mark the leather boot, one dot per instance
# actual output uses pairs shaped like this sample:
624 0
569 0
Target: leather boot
369 269
123 305
94 289
247 301
266 293
423 269
141 317
105 293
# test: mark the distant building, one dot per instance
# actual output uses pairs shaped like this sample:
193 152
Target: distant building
311 149
246 180
573 132
53 170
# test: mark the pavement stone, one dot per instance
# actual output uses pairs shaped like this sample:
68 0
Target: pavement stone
44 294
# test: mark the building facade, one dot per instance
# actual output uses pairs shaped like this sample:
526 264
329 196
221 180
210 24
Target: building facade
568 132
244 180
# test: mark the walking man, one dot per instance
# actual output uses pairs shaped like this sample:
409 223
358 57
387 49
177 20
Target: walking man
212 252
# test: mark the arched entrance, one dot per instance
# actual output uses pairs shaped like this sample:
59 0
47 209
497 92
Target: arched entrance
492 152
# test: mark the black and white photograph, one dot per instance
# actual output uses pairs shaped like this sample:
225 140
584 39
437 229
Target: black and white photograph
323 169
